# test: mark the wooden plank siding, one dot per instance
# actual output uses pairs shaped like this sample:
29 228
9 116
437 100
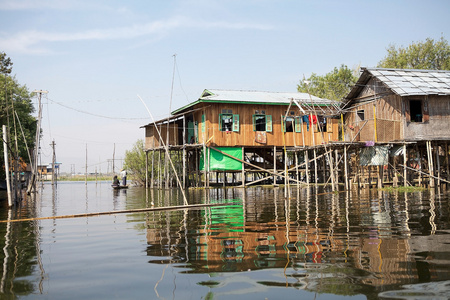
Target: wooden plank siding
246 136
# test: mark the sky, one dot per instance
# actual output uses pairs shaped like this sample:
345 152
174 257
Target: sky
95 57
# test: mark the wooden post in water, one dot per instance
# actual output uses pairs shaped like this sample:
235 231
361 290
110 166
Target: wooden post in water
430 164
243 168
446 161
438 164
146 169
404 163
274 165
345 168
307 167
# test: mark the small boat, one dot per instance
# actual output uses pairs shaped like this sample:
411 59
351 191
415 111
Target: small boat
118 187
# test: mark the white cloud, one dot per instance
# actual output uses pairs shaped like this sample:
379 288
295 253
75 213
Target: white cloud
33 41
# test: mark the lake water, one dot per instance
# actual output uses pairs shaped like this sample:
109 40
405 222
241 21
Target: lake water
264 244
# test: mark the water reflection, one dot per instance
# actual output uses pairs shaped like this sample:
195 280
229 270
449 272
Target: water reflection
364 242
345 244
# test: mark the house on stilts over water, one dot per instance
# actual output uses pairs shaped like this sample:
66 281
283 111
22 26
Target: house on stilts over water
243 137
392 128
398 122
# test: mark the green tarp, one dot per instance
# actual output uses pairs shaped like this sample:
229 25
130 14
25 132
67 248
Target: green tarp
220 162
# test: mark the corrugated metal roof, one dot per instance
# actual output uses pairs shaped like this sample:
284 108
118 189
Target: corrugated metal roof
260 97
257 97
406 82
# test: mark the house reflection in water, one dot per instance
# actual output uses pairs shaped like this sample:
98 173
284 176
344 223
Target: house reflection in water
371 239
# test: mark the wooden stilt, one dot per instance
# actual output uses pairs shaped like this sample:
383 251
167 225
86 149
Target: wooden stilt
446 161
153 167
405 162
243 168
146 169
307 167
315 166
346 169
274 165
438 163
296 168
430 164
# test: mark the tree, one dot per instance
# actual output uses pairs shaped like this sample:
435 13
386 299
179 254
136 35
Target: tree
15 99
334 85
135 162
429 55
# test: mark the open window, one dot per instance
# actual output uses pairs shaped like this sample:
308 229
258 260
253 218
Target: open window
287 123
262 122
415 108
228 121
360 115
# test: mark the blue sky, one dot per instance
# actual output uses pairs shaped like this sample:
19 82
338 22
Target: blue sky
95 57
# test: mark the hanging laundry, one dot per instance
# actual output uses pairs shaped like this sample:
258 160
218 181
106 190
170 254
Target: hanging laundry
305 119
313 120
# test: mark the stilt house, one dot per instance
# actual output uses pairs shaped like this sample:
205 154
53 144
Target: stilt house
242 131
392 105
403 113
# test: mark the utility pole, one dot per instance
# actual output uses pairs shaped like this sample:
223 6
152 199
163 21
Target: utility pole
86 174
34 163
53 163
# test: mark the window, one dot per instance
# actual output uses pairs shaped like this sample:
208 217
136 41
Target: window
288 124
228 121
322 124
262 123
225 122
415 107
360 115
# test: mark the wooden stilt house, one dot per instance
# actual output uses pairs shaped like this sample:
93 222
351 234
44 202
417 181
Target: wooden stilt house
403 108
243 132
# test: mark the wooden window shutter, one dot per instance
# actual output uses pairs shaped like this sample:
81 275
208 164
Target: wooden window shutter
236 123
220 121
283 124
426 114
329 125
298 124
254 122
269 123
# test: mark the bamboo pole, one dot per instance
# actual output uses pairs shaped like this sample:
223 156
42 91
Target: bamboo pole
5 153
432 176
167 150
114 212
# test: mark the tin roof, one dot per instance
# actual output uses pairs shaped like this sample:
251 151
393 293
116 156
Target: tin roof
406 82
257 97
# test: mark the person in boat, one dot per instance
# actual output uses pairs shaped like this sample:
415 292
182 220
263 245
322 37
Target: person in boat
116 181
123 173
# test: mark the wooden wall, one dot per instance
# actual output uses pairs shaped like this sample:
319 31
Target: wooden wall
387 108
247 137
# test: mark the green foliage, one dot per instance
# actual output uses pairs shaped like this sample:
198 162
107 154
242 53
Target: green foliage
428 55
334 85
135 162
15 99
5 64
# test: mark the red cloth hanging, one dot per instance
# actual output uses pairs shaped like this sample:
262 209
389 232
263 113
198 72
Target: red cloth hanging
314 119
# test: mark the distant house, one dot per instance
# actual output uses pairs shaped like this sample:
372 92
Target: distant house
399 105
